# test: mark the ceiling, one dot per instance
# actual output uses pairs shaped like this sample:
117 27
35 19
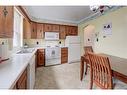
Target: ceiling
67 14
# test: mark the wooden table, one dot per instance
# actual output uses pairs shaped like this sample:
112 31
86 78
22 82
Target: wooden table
118 66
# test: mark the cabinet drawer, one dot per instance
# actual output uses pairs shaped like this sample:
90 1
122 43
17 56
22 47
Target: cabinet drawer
41 50
64 49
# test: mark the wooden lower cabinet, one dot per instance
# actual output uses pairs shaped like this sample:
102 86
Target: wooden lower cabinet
22 81
40 57
64 55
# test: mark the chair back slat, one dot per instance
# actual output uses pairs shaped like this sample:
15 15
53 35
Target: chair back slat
101 71
88 49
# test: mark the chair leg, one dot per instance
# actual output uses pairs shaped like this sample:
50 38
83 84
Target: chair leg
86 69
91 79
91 84
81 69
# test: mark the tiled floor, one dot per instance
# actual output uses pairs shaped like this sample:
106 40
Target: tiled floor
65 76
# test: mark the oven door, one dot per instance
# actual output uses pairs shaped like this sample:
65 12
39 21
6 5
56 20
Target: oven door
53 56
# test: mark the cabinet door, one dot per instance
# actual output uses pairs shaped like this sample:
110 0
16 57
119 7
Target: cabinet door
6 21
64 55
1 23
74 30
26 29
9 18
22 82
55 28
47 27
62 33
40 31
34 30
68 30
41 57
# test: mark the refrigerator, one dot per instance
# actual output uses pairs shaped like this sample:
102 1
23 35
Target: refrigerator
73 44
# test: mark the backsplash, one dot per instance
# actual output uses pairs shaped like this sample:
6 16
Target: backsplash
7 41
42 42
32 43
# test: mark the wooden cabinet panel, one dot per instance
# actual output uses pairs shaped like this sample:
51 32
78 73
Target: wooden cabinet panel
40 33
64 55
34 30
41 57
68 30
71 30
1 23
62 33
26 29
22 82
74 30
47 27
6 21
55 28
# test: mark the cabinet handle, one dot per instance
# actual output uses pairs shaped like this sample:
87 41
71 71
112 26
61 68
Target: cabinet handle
33 30
40 30
5 11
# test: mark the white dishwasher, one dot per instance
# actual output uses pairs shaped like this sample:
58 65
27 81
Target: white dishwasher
31 73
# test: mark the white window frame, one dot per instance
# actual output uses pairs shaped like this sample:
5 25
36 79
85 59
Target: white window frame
21 31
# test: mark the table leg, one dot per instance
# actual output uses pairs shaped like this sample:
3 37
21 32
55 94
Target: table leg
81 68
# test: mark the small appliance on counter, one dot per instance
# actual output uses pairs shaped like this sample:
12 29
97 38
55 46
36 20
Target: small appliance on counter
4 52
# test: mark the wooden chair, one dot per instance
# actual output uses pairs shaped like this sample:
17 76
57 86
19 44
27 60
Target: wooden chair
87 49
84 58
100 71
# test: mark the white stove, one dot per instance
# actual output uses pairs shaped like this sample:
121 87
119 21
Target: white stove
53 56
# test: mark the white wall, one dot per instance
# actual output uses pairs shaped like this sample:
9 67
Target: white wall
114 44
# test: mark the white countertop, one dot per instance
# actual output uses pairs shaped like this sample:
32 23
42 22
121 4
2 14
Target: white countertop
11 70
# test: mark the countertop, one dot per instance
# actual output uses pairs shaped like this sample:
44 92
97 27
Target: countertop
11 70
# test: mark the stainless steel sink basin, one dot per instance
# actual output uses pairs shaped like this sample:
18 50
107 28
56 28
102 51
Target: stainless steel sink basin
29 50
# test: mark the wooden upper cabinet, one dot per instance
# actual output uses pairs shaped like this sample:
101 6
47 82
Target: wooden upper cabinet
26 29
33 30
47 27
72 30
40 33
62 33
55 28
6 21
68 30
51 28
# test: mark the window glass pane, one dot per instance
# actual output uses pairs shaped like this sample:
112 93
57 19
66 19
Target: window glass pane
17 38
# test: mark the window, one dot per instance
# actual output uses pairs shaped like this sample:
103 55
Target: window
18 29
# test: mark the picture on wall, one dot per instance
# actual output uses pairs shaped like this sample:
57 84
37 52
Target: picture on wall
107 28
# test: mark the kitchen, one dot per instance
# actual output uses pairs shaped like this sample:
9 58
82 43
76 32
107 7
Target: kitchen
43 44
37 53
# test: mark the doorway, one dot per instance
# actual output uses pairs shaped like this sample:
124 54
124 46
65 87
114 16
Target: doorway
89 35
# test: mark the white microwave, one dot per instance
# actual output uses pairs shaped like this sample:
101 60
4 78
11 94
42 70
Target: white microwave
51 36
